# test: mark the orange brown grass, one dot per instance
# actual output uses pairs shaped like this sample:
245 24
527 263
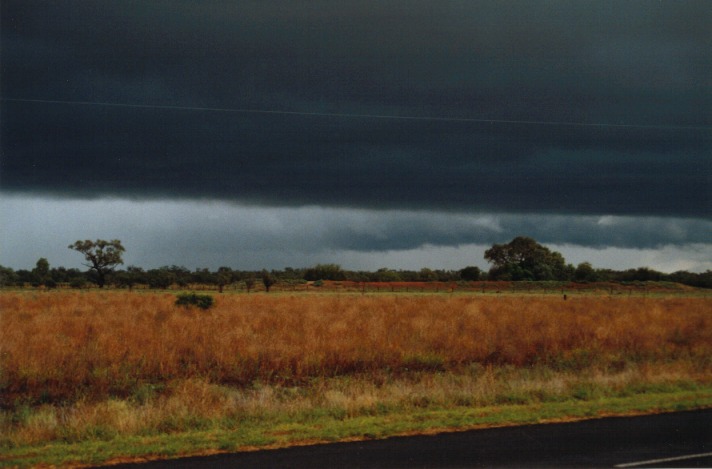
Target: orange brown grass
67 346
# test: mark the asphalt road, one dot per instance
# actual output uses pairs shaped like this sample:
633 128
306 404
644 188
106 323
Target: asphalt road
682 439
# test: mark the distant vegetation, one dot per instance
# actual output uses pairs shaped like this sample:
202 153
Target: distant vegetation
521 260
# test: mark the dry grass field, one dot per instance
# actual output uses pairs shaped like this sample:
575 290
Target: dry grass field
78 365
65 346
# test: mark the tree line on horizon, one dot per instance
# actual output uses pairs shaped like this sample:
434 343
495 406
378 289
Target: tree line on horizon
522 259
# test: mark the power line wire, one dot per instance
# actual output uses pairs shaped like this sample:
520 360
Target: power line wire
359 116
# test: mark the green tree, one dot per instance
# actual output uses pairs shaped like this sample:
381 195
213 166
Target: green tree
470 273
61 274
324 272
40 273
525 259
203 276
161 278
268 280
427 275
182 275
7 276
102 256
131 276
585 273
384 274
77 282
223 277
703 279
23 276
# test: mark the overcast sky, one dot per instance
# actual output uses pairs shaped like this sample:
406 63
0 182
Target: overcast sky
394 133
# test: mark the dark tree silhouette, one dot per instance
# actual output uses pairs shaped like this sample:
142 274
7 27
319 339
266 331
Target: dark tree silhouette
525 259
102 256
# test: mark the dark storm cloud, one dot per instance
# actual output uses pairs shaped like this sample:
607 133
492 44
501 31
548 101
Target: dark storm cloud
396 230
619 64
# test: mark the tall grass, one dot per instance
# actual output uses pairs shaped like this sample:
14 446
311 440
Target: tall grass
71 346
195 404
85 366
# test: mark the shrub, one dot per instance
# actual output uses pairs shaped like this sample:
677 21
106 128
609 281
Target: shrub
77 282
191 299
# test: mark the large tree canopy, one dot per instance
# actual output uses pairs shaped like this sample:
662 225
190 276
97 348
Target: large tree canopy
101 255
525 259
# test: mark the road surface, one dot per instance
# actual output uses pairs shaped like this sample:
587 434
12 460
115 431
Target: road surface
681 439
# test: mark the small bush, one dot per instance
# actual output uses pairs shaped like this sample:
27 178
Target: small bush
191 299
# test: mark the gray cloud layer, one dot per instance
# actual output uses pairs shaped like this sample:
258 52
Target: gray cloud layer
605 62
199 234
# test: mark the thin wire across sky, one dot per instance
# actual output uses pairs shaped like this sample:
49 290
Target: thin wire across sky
358 115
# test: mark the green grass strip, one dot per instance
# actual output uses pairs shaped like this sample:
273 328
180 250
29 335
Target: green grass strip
277 432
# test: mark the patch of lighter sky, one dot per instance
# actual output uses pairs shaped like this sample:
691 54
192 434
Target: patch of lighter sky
695 257
427 256
212 234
